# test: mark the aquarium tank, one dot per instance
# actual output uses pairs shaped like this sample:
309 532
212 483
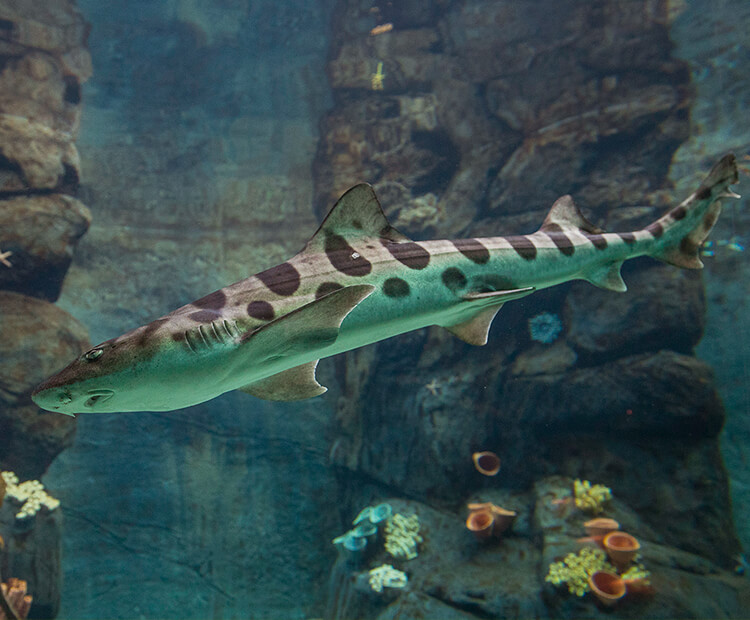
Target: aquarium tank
372 309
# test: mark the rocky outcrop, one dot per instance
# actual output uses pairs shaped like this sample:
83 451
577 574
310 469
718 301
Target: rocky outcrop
456 576
470 119
43 62
36 339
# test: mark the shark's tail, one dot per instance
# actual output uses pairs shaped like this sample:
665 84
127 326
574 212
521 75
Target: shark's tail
680 233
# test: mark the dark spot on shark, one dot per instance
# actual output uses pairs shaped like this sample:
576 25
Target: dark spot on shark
678 213
703 193
411 254
563 243
473 250
344 258
214 301
454 279
326 288
283 279
396 287
656 229
204 316
523 246
260 310
357 224
627 237
598 241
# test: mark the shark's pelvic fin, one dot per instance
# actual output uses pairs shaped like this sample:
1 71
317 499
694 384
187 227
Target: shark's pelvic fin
476 329
296 383
357 214
565 215
314 325
608 277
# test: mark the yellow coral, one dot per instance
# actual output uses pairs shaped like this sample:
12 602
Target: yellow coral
402 536
591 497
574 570
637 572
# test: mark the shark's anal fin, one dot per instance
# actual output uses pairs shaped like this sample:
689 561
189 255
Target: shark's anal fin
607 276
296 383
305 330
476 330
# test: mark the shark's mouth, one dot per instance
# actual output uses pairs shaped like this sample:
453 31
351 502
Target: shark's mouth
98 396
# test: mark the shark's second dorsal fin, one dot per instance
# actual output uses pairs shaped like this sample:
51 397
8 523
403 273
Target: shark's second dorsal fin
356 214
565 215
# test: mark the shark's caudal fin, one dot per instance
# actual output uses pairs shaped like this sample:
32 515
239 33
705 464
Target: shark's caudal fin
684 228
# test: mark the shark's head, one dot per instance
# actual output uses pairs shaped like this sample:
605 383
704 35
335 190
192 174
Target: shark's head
115 376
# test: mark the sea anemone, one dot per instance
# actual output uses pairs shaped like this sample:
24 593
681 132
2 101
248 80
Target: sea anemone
545 327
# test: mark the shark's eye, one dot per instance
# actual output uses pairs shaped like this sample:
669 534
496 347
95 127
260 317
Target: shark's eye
93 355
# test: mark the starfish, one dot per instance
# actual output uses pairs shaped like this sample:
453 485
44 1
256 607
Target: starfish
433 387
4 258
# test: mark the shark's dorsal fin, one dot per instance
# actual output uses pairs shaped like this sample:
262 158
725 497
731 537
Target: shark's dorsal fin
476 329
295 383
356 214
565 215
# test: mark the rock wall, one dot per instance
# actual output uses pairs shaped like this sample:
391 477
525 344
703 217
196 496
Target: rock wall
470 118
43 62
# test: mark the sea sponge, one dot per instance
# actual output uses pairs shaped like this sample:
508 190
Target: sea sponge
591 497
30 494
385 576
575 568
402 536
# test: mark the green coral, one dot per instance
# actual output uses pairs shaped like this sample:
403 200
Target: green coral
575 568
591 497
402 536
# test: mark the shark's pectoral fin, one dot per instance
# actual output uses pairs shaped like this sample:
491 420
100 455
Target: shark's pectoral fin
476 330
296 383
311 327
607 277
306 330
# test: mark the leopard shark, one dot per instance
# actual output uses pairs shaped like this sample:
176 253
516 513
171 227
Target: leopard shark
358 281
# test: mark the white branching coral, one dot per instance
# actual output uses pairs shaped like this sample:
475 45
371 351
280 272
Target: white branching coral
30 495
385 576
402 536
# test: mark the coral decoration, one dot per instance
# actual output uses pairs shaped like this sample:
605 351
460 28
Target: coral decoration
575 569
486 463
545 327
16 601
601 526
480 522
608 587
30 495
385 576
402 536
591 497
501 519
621 548
2 490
